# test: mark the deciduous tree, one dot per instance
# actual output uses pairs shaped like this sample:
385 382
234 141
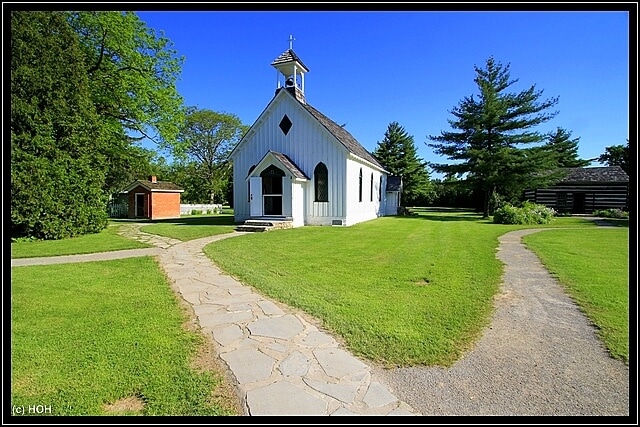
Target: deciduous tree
204 142
616 155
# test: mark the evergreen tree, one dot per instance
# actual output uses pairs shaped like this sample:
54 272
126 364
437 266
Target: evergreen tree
491 131
57 169
397 153
564 149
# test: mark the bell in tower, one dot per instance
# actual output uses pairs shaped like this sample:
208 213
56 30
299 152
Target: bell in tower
290 68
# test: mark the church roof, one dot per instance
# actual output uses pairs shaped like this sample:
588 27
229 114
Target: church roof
288 56
342 135
289 164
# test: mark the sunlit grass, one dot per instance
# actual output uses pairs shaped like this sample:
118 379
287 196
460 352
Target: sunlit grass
401 291
86 335
189 227
106 240
593 265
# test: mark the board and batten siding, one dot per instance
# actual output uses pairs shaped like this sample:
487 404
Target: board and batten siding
306 144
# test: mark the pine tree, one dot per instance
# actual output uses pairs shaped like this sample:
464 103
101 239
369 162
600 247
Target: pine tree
565 149
491 131
397 153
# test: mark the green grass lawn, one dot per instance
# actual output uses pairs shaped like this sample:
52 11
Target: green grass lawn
87 335
107 240
400 291
593 265
189 227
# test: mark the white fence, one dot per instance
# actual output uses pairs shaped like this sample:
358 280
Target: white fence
212 208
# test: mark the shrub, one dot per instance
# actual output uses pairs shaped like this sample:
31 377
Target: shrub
611 213
196 212
529 213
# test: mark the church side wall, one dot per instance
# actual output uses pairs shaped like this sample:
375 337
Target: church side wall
367 209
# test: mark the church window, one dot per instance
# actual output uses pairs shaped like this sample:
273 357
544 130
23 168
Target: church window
321 181
285 124
371 189
360 186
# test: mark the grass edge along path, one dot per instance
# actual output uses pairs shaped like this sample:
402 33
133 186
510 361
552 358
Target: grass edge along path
105 241
86 338
399 291
593 268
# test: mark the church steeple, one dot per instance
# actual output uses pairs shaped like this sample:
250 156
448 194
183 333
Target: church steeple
290 72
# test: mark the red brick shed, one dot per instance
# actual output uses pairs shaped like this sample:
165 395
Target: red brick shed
153 199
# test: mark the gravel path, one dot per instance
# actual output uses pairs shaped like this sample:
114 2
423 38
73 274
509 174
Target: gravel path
540 356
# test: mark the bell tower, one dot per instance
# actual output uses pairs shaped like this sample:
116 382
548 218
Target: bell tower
290 72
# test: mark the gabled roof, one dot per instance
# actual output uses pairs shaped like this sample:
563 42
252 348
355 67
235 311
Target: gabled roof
288 56
159 186
596 174
344 137
285 162
337 131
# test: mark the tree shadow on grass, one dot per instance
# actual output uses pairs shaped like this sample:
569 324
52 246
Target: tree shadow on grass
221 219
444 214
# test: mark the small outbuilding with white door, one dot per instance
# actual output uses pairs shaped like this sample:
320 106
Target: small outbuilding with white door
296 164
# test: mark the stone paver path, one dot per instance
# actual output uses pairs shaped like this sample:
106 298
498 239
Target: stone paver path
283 364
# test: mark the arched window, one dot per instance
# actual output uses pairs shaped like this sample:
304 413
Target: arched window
321 182
371 190
380 189
360 186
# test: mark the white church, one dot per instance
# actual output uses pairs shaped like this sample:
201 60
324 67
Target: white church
297 165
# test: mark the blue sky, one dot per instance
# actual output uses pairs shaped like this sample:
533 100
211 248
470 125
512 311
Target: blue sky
370 68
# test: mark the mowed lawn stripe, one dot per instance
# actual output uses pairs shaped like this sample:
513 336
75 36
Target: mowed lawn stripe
399 290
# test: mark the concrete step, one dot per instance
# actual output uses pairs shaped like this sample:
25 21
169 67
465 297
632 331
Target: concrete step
252 228
262 224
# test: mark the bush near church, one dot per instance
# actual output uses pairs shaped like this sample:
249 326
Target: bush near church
529 213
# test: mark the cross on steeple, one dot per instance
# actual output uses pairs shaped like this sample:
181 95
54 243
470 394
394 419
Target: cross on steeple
291 39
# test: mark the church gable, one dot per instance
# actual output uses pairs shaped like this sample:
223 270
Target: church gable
285 126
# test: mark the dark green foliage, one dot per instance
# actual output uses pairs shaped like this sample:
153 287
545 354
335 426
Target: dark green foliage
564 149
491 131
397 153
85 87
56 176
616 155
452 192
